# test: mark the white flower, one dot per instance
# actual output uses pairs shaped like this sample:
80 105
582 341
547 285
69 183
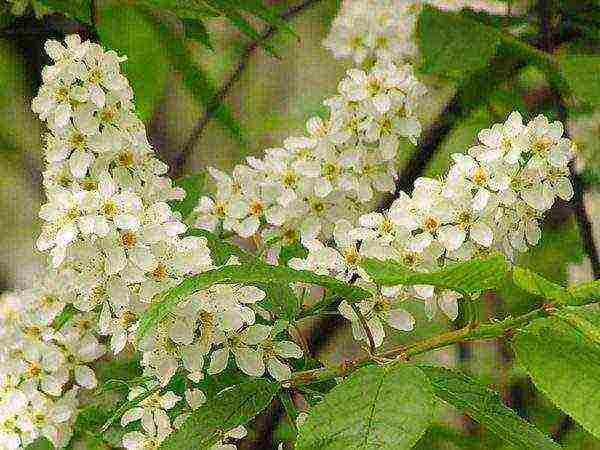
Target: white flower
377 311
242 345
151 412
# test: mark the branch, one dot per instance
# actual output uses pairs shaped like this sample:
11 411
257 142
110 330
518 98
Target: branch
212 107
404 353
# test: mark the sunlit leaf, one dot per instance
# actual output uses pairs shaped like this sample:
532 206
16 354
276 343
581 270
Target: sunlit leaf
469 277
486 407
565 366
131 33
383 408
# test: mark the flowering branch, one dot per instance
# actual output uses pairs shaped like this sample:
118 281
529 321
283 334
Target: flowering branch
472 332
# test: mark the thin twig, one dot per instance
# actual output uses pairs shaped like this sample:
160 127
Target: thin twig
180 158
365 325
472 332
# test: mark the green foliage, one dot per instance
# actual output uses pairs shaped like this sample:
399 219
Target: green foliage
291 251
41 444
581 73
229 10
6 18
453 45
565 366
233 407
486 407
468 278
196 30
196 80
129 32
280 300
579 322
194 186
192 13
585 292
250 273
533 283
221 250
126 406
77 9
375 408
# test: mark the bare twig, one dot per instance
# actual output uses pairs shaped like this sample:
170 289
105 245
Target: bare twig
180 158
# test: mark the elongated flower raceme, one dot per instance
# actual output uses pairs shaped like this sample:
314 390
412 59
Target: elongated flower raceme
114 245
300 189
492 199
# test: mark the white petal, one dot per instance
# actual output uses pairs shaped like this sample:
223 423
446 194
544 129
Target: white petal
218 361
278 370
131 416
482 234
400 319
287 349
250 361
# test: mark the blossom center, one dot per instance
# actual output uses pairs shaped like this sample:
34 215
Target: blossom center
432 224
480 177
160 273
128 239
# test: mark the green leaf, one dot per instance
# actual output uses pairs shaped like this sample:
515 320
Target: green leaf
196 30
580 323
77 9
536 284
585 292
250 274
375 408
196 81
257 8
41 444
231 408
281 301
452 45
194 186
486 407
241 23
126 406
581 73
6 18
468 278
129 32
565 366
291 251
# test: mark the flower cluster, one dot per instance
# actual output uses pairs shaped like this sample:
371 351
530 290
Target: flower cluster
41 368
115 246
299 190
493 199
375 29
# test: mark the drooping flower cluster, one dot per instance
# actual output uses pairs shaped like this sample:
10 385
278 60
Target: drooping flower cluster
493 199
298 191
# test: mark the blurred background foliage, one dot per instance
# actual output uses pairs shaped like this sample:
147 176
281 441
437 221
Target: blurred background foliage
218 80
